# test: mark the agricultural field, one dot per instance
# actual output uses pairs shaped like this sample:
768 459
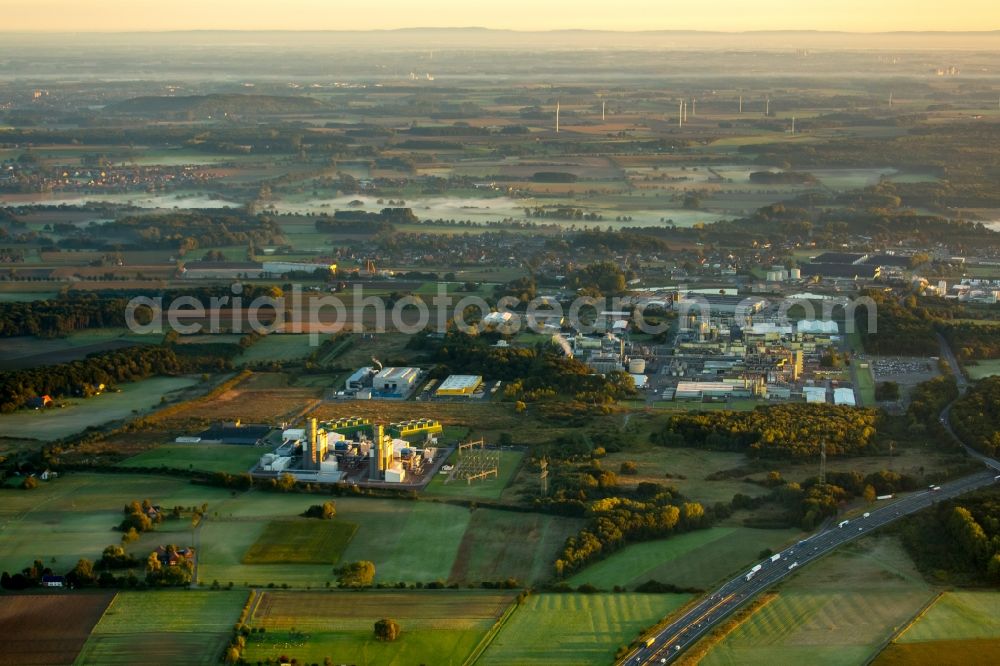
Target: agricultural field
164 627
278 348
47 629
302 541
576 629
199 457
840 610
73 516
81 413
506 544
699 559
265 405
488 488
484 419
958 628
29 351
437 626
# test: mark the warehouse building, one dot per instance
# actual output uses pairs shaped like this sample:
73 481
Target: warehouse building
459 385
844 396
814 394
396 381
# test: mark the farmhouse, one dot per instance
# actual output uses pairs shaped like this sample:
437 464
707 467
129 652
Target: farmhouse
171 556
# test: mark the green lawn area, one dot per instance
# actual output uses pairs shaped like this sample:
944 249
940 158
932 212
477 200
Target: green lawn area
437 626
982 369
80 413
837 611
488 488
201 457
700 558
278 347
576 629
164 627
866 386
302 541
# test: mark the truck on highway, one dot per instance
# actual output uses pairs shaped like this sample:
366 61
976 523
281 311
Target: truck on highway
756 568
843 523
649 641
750 575
883 497
776 557
792 565
866 515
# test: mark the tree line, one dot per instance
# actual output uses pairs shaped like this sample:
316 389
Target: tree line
77 377
780 431
976 416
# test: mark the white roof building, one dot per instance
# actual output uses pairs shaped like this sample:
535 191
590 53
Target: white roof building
844 396
818 326
814 394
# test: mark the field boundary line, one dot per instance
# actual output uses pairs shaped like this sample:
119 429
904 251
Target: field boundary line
904 628
491 635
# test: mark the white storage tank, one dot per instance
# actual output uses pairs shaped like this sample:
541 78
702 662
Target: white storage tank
637 366
795 274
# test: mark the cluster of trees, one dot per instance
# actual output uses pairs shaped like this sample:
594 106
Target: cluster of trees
387 630
599 279
787 430
563 213
972 342
64 379
325 511
958 540
616 521
356 574
976 416
140 516
902 326
58 317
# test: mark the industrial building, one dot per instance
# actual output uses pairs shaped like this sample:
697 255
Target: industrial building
844 396
277 268
396 381
360 379
415 427
459 385
814 394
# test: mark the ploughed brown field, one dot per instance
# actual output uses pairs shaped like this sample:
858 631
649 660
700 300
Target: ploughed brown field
47 629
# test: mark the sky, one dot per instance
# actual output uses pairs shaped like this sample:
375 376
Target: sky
725 15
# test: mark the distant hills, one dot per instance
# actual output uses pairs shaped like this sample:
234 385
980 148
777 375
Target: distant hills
217 105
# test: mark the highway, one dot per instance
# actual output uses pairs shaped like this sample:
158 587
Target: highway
671 641
699 620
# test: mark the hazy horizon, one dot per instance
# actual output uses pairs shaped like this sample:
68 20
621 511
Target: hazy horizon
626 15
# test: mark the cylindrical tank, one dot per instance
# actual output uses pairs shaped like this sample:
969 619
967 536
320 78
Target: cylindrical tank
637 366
795 274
